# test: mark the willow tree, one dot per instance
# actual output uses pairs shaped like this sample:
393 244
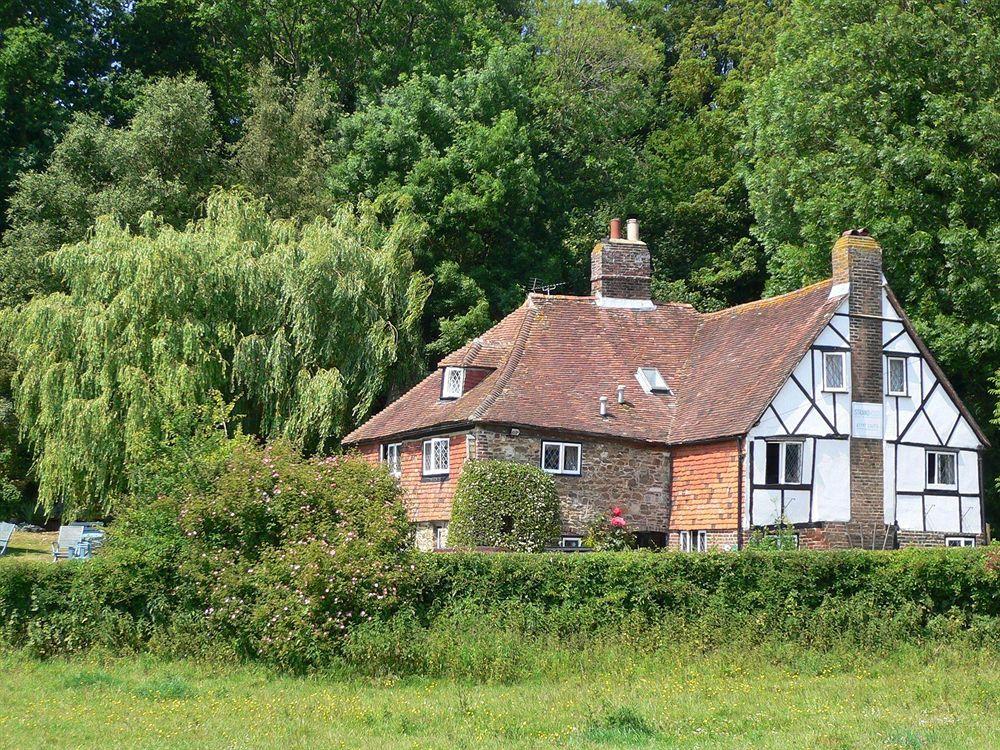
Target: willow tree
299 328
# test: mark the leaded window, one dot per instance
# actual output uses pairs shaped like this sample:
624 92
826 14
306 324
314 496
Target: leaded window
437 456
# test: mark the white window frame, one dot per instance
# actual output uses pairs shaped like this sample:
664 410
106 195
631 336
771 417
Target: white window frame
782 450
571 542
562 458
962 541
386 456
937 470
430 470
888 377
440 534
693 541
447 390
652 382
842 388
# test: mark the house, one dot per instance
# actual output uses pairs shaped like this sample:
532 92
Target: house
821 409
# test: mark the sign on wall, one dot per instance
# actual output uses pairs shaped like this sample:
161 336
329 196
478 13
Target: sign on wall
866 420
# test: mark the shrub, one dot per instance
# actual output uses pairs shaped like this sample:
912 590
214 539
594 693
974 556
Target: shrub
504 504
610 533
288 554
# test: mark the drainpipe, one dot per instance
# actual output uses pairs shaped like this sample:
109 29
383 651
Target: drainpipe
739 496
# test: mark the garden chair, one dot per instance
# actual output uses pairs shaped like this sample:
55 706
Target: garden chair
6 532
93 533
70 544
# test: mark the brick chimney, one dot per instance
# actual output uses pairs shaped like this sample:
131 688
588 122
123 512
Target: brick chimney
620 268
857 261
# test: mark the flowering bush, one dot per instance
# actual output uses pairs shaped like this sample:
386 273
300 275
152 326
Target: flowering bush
610 532
504 504
286 554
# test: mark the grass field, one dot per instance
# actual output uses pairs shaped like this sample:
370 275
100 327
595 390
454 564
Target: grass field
915 699
30 546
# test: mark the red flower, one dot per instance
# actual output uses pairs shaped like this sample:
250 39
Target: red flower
618 522
616 511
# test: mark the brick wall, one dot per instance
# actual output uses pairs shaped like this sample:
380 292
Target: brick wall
621 268
427 498
636 478
931 538
858 260
704 489
723 541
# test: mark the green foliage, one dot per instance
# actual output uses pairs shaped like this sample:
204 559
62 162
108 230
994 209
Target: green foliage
283 154
302 327
221 588
504 504
881 114
165 162
287 554
610 533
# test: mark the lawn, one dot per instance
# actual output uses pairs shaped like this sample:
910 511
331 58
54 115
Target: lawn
945 698
27 545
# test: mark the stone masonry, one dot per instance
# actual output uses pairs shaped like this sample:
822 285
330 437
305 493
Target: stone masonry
613 473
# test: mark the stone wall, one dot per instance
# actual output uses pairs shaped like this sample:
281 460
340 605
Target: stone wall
633 477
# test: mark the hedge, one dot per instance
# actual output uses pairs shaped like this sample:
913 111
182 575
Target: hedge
859 599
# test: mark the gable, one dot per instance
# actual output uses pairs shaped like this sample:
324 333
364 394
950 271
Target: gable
930 413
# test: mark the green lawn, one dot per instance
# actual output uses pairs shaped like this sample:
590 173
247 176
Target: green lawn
26 545
942 699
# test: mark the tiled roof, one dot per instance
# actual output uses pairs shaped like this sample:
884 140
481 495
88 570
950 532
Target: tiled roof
553 357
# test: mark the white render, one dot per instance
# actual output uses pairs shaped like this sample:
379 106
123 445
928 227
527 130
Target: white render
924 419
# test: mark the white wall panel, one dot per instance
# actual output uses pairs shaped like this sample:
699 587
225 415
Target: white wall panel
797 506
942 512
832 485
968 472
766 507
909 512
910 468
972 519
889 481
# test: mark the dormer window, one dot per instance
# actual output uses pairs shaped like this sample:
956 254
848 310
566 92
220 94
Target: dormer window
453 382
651 380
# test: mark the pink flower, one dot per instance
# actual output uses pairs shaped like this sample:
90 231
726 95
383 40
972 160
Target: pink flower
618 522
616 511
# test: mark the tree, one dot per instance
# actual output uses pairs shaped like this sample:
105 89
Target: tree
166 160
283 153
301 328
884 115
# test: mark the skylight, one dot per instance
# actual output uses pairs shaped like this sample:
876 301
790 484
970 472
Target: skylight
651 380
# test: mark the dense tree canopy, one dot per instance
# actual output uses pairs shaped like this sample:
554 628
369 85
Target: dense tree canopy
301 327
474 145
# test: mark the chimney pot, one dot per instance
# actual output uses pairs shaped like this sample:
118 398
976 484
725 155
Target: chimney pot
621 394
616 229
604 406
633 230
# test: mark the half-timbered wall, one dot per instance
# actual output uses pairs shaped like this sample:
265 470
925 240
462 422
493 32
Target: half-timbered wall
821 419
926 419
